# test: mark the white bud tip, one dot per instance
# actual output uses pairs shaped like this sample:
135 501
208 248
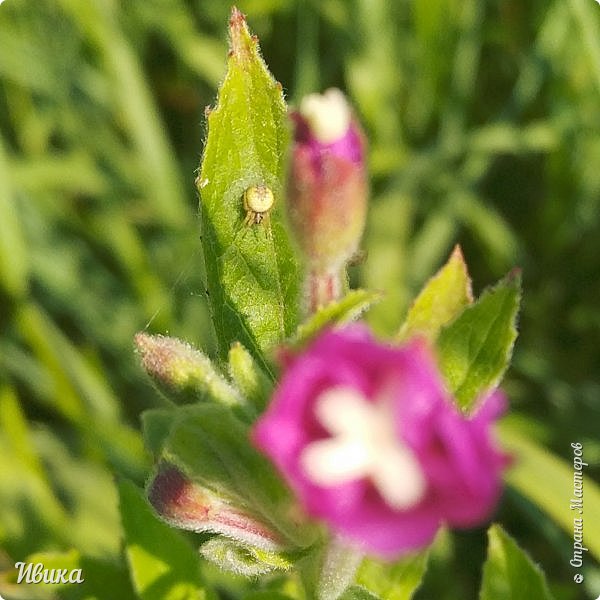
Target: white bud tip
328 115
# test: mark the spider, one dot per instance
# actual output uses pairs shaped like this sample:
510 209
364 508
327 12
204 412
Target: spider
258 201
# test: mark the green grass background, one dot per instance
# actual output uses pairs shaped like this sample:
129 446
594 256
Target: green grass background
483 119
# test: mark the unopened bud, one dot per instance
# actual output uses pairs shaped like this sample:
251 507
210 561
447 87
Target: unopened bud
327 190
183 373
186 504
243 560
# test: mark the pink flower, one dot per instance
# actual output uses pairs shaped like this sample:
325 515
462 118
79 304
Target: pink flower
372 444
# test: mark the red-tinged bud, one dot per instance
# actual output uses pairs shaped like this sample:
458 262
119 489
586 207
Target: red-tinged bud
186 504
327 191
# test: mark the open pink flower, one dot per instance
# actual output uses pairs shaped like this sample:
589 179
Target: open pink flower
371 442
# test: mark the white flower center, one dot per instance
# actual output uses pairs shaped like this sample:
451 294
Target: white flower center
364 443
328 115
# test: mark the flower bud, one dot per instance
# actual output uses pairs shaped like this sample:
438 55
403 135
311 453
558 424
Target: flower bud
183 373
186 504
327 190
247 561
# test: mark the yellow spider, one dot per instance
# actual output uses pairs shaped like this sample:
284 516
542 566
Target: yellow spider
258 201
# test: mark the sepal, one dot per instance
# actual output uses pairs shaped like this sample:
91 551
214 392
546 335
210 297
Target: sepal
441 300
247 375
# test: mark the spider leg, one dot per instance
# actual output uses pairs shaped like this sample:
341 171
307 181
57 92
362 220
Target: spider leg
266 223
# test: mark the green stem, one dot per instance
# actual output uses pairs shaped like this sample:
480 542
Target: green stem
328 572
321 289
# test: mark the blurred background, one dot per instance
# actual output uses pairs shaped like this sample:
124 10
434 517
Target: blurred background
483 119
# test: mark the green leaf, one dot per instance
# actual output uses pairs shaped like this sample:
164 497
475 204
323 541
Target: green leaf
396 581
475 349
350 307
509 573
357 592
163 565
535 464
156 424
212 448
251 268
442 299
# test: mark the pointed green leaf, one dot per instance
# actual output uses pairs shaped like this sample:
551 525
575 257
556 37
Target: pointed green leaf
442 299
475 349
251 268
395 581
508 571
350 307
163 565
